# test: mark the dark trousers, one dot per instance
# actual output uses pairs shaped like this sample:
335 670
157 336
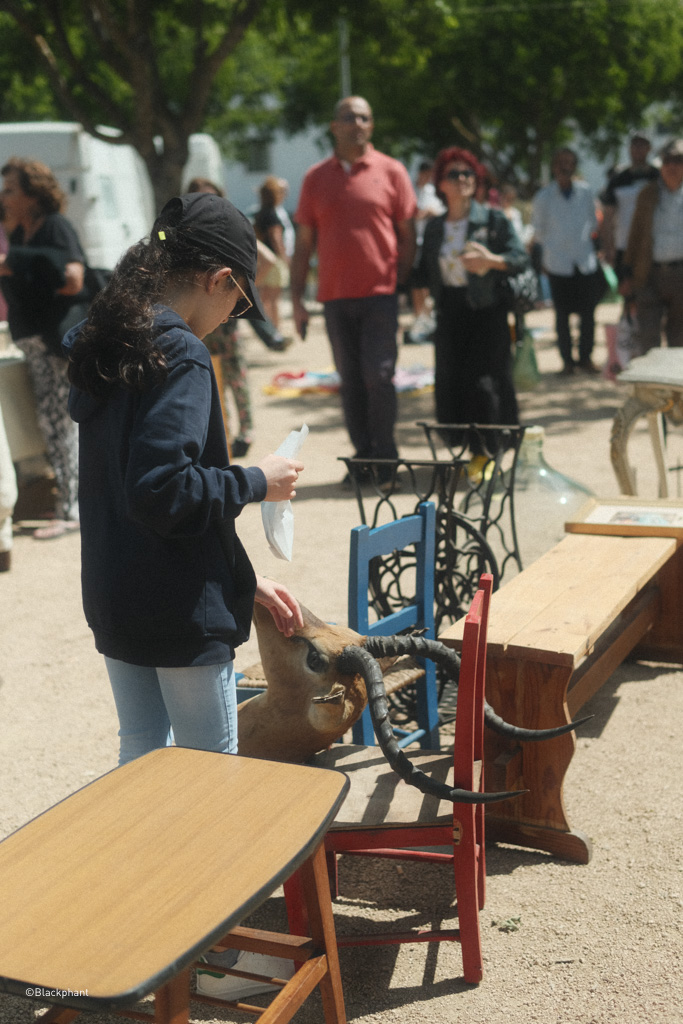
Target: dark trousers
660 303
473 365
362 334
577 294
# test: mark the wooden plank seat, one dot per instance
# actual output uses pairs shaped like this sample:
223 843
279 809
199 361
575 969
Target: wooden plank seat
379 798
557 631
113 893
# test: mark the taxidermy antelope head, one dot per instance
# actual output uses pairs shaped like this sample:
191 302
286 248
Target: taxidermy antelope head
310 702
319 681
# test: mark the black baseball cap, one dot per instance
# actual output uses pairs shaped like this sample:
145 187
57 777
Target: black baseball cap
212 223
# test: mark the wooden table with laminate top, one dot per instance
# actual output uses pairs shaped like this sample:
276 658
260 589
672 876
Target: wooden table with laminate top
113 893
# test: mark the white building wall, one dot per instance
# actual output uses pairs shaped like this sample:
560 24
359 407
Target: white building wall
288 157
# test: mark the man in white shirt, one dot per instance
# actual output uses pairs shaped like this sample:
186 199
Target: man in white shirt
565 223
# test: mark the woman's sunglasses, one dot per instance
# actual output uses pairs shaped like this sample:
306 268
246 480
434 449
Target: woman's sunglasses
244 304
454 175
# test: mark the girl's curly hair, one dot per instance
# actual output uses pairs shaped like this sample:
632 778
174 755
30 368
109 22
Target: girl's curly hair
117 346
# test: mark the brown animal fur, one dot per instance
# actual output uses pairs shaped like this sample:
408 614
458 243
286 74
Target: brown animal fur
288 722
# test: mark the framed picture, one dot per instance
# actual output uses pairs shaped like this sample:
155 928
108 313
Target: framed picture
630 517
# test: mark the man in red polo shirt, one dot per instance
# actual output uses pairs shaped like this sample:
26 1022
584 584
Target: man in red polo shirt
356 209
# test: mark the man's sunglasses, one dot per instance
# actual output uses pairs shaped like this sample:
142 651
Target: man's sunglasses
244 304
352 118
454 175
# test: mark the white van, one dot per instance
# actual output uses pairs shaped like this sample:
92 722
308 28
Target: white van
110 196
110 204
204 161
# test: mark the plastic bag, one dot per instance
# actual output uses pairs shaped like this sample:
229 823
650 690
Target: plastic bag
277 516
628 339
623 343
525 372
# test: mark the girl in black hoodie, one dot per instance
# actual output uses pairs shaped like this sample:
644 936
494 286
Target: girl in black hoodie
168 589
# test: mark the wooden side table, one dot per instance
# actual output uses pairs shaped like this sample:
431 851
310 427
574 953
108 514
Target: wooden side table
113 893
656 388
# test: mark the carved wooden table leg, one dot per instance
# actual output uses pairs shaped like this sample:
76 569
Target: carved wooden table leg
654 423
646 400
532 693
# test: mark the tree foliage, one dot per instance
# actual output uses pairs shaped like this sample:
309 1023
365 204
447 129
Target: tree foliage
146 67
510 79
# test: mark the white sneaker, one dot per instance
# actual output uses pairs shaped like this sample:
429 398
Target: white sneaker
225 986
422 329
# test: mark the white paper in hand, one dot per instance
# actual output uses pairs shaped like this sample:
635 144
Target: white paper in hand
278 518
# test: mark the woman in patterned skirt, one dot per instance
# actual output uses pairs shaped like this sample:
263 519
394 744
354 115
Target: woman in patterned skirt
42 278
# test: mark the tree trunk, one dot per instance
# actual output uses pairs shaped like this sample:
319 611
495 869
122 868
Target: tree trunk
536 152
166 169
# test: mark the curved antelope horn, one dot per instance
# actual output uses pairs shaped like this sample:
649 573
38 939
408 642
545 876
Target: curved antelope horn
449 660
358 660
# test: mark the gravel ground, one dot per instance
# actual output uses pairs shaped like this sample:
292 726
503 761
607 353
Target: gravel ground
563 943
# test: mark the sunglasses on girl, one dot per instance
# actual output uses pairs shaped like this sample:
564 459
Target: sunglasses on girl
454 175
243 304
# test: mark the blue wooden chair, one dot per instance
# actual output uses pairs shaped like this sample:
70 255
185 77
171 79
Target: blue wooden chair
378 560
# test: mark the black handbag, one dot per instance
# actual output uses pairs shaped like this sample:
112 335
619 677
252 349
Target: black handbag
521 291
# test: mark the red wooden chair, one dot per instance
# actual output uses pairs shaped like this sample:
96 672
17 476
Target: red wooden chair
383 816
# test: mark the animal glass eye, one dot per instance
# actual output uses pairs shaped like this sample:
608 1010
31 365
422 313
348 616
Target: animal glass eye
315 661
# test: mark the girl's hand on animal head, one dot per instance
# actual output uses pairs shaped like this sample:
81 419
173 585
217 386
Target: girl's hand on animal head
282 605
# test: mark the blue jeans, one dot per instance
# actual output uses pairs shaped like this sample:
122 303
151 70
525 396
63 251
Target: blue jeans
362 334
198 704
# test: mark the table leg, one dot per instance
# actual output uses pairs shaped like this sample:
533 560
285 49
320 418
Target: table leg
533 695
623 424
316 892
664 642
650 401
172 1002
654 422
315 954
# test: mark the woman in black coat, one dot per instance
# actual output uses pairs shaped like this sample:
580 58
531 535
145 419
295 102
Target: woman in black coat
466 255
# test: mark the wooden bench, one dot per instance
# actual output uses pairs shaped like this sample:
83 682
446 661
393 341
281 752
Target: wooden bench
557 631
